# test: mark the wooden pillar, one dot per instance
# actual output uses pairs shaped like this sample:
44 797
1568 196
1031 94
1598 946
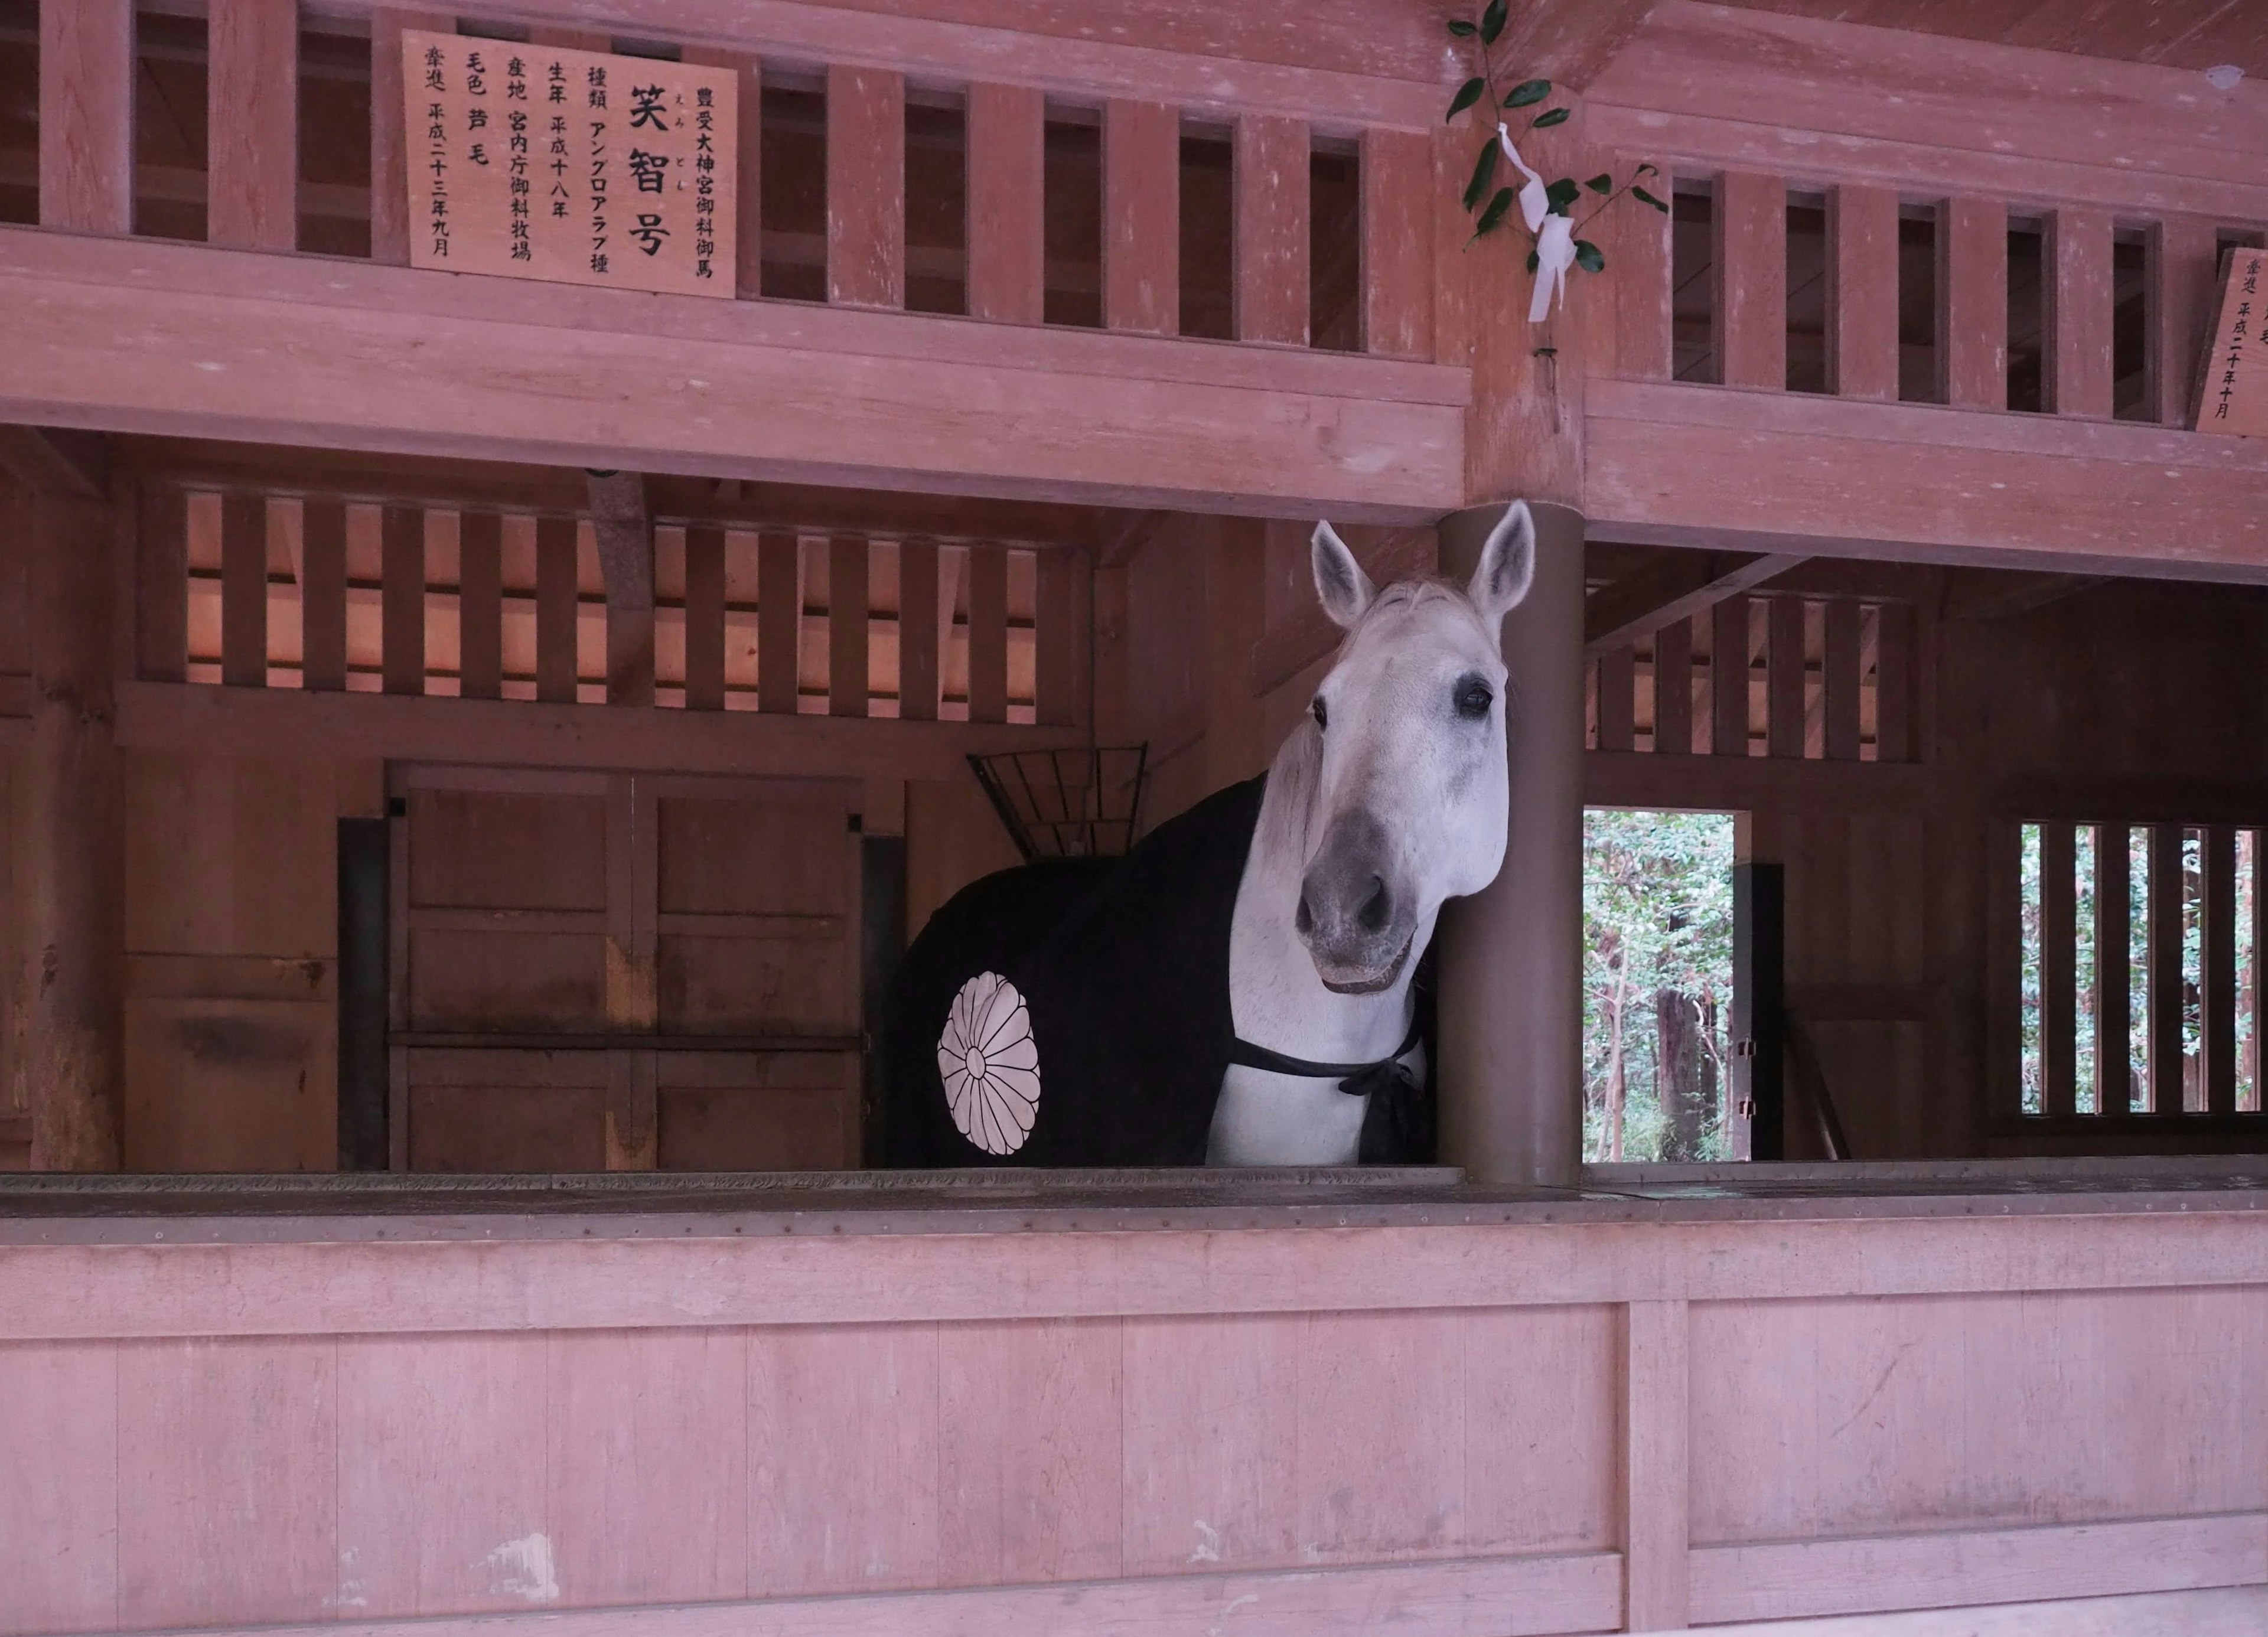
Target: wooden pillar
1862 292
1510 1072
1141 217
1007 171
1270 246
72 844
87 115
253 125
865 187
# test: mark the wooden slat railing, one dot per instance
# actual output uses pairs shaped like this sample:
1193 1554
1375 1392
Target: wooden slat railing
254 590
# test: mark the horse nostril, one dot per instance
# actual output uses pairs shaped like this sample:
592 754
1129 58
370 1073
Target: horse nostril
1304 918
1377 909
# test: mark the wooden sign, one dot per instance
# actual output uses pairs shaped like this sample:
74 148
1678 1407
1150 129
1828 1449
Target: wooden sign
570 165
2233 394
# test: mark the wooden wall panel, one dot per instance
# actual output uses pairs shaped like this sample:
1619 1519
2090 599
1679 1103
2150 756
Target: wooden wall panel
1272 212
1750 268
1862 292
1397 244
1942 1412
865 187
253 124
1728 678
1006 194
1656 1468
59 1517
2077 357
1141 217
1973 295
86 116
1616 699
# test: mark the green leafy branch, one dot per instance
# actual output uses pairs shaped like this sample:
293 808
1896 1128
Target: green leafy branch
1490 209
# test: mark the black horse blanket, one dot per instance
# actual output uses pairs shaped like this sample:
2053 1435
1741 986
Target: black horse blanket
1075 1012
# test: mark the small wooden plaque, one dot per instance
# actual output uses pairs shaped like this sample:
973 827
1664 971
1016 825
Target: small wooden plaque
2233 386
574 167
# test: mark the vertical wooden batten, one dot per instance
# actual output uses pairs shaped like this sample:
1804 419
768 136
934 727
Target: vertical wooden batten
1141 217
918 630
244 589
2218 997
988 633
2114 1024
161 586
2059 967
2077 357
70 845
1862 292
402 599
779 615
1639 270
1271 215
87 115
1059 639
1397 244
624 533
1972 247
1749 267
705 617
865 187
1007 130
323 595
2183 256
1656 1486
480 604
555 609
846 626
253 125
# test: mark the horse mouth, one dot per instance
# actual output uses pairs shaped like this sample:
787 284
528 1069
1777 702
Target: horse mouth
1371 985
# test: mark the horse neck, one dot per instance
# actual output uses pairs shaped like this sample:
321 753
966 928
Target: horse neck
1276 998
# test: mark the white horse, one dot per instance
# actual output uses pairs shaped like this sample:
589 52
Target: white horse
1237 989
1389 799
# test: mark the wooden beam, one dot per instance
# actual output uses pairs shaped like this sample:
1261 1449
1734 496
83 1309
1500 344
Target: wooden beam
1682 584
2016 594
56 460
288 723
1748 265
1397 244
625 539
1571 43
86 116
1972 295
497 368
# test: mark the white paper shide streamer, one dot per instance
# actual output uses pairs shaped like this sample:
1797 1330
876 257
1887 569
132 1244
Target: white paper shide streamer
1555 235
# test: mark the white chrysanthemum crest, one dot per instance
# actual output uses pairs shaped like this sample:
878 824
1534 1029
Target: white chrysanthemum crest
990 1064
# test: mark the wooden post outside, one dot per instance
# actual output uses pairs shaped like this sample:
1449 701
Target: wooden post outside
70 862
87 115
252 183
1141 217
1510 1072
1007 187
1862 292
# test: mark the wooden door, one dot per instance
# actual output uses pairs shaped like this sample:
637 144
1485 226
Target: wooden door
623 972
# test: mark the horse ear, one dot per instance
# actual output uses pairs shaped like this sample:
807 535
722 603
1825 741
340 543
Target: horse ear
1507 565
1341 586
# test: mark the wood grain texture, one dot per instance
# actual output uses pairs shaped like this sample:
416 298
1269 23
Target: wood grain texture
402 588
1060 639
865 187
2077 362
1272 252
1862 291
556 613
2182 266
1655 1461
906 402
1617 673
1142 216
480 604
1007 199
1748 267
1641 269
779 621
59 1521
988 633
704 617
1397 244
161 575
1972 247
252 138
846 626
86 116
244 589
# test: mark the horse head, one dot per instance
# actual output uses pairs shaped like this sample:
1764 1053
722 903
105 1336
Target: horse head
1411 787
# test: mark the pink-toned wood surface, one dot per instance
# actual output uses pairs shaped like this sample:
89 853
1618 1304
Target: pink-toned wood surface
918 631
253 140
1693 465
779 617
1142 216
894 399
86 116
1397 244
244 589
748 162
1748 265
402 588
988 633
1862 291
161 570
323 594
1656 1466
705 581
1746 89
390 157
1007 194
1060 639
2079 300
1973 290
555 612
1640 267
1271 251
59 1515
865 187
480 604
846 626
2184 266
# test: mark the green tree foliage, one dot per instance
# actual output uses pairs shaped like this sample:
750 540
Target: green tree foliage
1657 936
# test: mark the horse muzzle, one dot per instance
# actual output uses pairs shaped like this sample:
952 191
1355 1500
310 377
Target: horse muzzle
1357 923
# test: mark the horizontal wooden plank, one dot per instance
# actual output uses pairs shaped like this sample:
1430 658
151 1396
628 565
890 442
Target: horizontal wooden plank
334 355
1790 1580
1506 1596
1208 59
2231 1612
1702 465
671 1269
285 722
1755 91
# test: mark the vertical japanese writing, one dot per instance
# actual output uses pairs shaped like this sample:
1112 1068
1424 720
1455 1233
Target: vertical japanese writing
595 88
515 91
704 182
437 138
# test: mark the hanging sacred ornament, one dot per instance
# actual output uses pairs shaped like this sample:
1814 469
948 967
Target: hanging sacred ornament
1545 208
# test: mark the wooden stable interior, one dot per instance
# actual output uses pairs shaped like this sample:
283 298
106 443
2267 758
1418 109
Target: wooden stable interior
455 726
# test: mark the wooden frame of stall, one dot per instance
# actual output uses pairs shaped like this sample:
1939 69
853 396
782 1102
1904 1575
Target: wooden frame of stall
294 534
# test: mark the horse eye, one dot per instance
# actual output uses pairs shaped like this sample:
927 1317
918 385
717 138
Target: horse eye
1322 715
1473 699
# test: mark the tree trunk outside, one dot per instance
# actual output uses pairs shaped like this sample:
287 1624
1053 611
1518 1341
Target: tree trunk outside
1689 1075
